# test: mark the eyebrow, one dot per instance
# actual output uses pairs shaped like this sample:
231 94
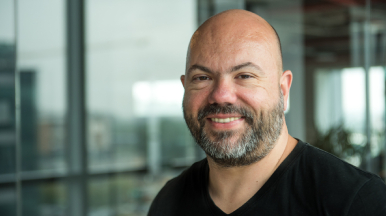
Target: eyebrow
247 64
199 67
235 68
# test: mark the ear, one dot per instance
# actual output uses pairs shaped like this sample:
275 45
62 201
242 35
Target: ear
285 85
183 80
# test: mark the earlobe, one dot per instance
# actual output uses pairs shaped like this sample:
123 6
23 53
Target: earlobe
285 85
183 80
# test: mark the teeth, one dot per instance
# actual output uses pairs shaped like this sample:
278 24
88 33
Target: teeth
225 120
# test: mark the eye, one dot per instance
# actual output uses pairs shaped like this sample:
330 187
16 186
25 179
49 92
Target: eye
244 76
201 78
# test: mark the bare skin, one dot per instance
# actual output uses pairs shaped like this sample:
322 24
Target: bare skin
215 74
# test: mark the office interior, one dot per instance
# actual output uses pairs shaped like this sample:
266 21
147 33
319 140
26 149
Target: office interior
90 98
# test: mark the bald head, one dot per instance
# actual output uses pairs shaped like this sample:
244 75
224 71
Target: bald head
232 31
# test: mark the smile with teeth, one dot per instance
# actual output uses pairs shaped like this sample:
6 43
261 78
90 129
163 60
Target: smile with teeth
225 120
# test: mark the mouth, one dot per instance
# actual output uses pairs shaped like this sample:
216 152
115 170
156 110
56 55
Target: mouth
224 120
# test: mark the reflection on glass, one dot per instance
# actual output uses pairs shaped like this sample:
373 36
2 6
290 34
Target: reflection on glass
158 98
8 200
7 90
353 96
123 195
135 54
378 21
116 145
42 85
7 109
340 101
44 199
99 197
134 94
336 41
177 144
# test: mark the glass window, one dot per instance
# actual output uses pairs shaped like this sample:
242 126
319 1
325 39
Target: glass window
8 200
134 94
136 137
341 43
41 64
135 55
44 198
7 89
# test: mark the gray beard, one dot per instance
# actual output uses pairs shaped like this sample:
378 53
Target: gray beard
254 143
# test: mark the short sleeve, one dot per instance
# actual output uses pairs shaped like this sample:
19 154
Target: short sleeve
370 199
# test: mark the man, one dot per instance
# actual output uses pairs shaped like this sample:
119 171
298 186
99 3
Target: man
235 95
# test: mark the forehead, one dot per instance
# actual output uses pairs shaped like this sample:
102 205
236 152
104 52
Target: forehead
223 51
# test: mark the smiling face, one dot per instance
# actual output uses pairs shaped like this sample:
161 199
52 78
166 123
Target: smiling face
235 92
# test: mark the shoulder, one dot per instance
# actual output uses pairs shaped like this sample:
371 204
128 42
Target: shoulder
370 199
322 175
174 193
326 165
339 184
331 165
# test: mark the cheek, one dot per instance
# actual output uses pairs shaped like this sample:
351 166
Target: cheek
255 99
194 101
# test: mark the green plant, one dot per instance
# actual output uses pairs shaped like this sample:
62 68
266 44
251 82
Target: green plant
336 141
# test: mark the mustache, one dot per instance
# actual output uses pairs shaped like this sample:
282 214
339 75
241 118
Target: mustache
225 109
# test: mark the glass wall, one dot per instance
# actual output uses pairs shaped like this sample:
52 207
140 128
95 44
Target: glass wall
130 58
41 71
8 201
345 73
134 94
41 74
135 56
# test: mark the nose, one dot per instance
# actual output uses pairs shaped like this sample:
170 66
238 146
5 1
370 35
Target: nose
223 92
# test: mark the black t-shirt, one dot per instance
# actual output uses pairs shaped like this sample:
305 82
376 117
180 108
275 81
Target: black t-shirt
308 182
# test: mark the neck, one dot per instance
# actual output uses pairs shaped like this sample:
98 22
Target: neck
231 187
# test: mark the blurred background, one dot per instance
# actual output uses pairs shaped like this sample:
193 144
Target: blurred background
90 98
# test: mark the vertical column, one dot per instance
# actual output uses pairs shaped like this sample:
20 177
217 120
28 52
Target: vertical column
28 138
154 145
383 48
355 42
76 142
19 203
336 95
383 55
367 61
